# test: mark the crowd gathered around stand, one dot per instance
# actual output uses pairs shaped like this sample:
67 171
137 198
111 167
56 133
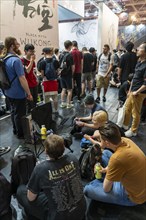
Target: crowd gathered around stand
55 190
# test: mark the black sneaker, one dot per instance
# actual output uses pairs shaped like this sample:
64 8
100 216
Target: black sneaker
104 99
78 135
97 99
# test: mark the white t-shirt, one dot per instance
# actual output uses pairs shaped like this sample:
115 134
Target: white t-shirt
104 64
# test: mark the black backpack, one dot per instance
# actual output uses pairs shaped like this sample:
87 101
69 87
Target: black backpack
5 83
50 71
5 195
22 166
88 159
64 67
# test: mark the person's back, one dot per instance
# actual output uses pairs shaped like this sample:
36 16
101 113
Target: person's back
61 183
87 62
130 163
77 57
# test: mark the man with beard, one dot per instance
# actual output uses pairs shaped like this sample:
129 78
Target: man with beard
19 90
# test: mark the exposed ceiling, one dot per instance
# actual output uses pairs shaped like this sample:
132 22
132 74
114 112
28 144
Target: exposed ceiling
129 11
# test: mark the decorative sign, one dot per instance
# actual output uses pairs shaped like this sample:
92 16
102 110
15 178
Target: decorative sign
30 21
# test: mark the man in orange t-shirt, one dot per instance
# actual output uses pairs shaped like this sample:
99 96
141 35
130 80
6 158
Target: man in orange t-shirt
125 179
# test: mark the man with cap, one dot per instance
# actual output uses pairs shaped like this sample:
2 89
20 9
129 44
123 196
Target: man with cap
82 127
30 73
50 87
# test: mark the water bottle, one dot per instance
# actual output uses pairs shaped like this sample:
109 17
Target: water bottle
43 132
98 174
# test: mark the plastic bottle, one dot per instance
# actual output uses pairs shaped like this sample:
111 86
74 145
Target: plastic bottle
43 132
98 174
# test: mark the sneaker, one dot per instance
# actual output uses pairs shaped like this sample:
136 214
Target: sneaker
104 99
70 105
97 99
78 135
125 127
63 105
130 133
4 150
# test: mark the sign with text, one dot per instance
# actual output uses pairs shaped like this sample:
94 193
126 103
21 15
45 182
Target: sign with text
30 21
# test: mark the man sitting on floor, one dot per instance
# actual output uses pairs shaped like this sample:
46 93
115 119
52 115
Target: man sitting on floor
125 179
54 190
81 121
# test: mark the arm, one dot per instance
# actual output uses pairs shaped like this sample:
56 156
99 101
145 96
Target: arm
91 139
109 70
141 89
73 68
81 65
29 67
42 73
107 185
31 196
24 85
119 72
88 118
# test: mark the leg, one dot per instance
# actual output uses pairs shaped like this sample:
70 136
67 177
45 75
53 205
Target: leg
83 84
37 208
18 111
55 102
128 110
136 110
63 95
117 195
78 82
106 154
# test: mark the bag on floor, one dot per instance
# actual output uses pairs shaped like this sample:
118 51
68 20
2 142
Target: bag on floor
121 116
23 163
5 195
88 159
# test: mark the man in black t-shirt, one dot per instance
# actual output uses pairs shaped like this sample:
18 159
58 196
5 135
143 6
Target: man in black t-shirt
54 190
87 70
127 63
94 66
66 75
137 94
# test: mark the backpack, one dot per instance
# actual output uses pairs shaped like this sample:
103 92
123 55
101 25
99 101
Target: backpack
5 83
116 60
84 143
64 68
50 71
5 195
88 159
22 166
109 57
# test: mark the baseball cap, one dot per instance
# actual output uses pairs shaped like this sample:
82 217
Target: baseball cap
89 100
47 50
1 45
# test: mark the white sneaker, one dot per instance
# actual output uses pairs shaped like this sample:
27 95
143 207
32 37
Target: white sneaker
130 133
70 105
125 127
63 105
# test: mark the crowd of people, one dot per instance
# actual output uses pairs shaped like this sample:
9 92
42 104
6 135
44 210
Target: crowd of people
54 190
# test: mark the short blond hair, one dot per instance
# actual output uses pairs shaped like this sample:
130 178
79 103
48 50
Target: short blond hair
100 116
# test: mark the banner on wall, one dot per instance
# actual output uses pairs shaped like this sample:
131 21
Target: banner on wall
84 32
30 21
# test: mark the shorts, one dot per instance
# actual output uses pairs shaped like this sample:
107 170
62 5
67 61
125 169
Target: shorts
86 76
47 97
66 82
102 82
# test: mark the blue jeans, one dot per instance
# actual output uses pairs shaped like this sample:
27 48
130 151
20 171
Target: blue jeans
94 190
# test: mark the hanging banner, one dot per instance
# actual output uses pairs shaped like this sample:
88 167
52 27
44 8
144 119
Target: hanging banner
30 21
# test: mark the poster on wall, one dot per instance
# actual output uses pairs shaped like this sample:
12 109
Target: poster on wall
107 27
84 32
30 21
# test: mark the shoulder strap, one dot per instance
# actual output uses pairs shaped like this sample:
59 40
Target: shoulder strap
99 57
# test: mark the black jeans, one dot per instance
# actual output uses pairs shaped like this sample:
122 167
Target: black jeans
18 110
77 80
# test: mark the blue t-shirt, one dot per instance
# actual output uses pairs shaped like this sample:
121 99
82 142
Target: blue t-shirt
14 68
